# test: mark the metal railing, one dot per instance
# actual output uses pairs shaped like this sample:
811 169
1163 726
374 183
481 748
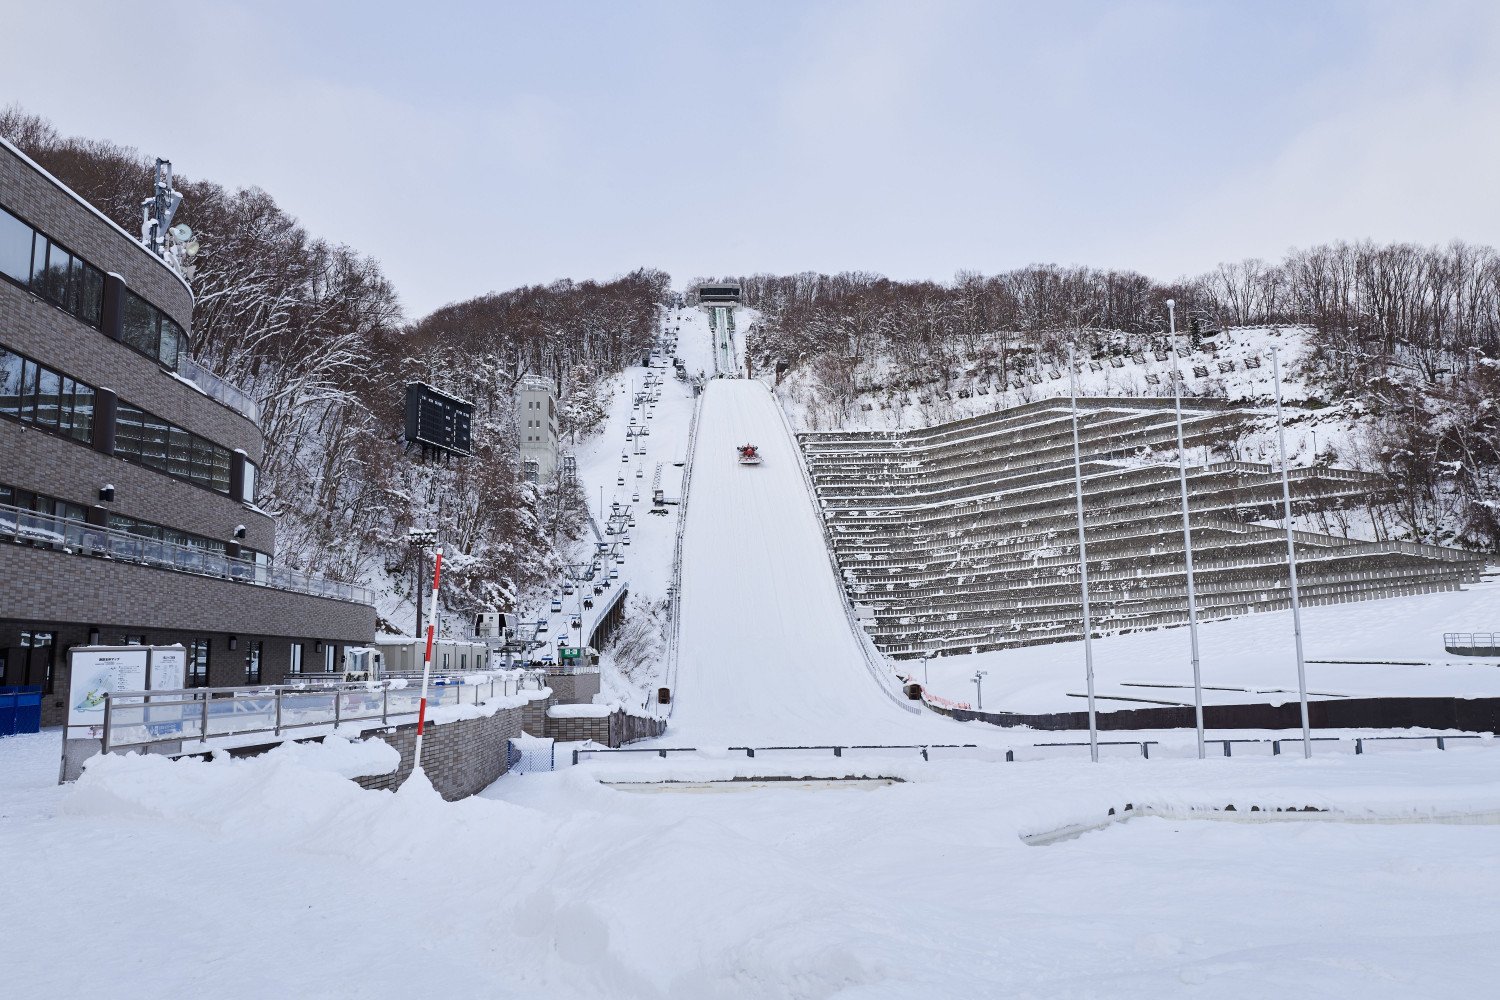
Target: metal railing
214 387
1472 643
1356 743
81 538
674 637
194 719
837 749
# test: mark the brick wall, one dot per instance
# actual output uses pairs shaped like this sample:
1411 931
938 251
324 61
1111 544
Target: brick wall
459 758
36 327
613 730
573 689
534 717
45 463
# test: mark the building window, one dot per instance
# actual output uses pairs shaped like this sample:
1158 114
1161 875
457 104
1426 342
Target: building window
328 658
36 659
151 441
197 663
252 661
48 400
294 664
34 261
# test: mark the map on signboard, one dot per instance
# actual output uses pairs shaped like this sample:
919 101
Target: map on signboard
97 672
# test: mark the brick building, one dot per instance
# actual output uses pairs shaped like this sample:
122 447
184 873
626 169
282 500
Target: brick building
128 473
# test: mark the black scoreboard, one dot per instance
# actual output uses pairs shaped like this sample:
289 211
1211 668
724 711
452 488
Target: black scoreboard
437 420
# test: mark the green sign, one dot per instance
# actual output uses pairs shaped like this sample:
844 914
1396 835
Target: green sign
569 652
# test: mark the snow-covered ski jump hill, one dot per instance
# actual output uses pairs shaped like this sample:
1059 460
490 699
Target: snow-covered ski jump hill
767 655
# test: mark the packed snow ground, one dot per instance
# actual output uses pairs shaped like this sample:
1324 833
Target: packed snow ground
1254 656
278 877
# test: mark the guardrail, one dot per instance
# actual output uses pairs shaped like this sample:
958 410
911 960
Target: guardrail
836 748
1472 643
1144 746
214 387
178 719
675 637
74 537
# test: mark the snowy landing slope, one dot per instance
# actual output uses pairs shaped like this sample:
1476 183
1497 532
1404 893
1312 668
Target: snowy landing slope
766 652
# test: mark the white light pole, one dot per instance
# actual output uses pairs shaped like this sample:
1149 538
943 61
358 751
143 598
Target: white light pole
924 671
1187 532
1291 556
979 690
1083 564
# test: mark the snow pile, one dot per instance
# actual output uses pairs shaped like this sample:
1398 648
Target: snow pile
581 711
486 708
557 885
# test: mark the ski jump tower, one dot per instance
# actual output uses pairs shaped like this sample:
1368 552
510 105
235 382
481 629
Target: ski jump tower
718 300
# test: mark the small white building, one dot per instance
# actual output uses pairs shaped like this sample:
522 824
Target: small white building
536 419
404 656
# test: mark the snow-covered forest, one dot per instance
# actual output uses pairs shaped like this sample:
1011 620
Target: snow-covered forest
1404 339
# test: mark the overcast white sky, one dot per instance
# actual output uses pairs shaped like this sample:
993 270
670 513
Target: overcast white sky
480 146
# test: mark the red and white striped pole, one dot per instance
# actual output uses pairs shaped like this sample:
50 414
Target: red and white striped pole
432 618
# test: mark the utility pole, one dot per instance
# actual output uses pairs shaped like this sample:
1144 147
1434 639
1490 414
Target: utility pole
979 676
1187 532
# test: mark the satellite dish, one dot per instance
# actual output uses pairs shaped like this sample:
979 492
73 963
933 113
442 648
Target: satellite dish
190 248
181 233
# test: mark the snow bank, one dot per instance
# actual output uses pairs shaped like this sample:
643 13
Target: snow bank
581 711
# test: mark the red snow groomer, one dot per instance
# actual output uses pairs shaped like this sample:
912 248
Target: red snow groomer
749 454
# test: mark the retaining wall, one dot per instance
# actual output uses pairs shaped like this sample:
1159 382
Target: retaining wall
460 758
574 689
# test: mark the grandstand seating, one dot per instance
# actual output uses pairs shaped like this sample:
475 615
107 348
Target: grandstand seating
963 536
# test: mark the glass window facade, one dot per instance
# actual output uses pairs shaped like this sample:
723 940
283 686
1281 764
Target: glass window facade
33 260
49 400
150 441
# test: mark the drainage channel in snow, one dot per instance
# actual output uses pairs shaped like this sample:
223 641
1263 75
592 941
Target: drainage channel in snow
1255 814
753 784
